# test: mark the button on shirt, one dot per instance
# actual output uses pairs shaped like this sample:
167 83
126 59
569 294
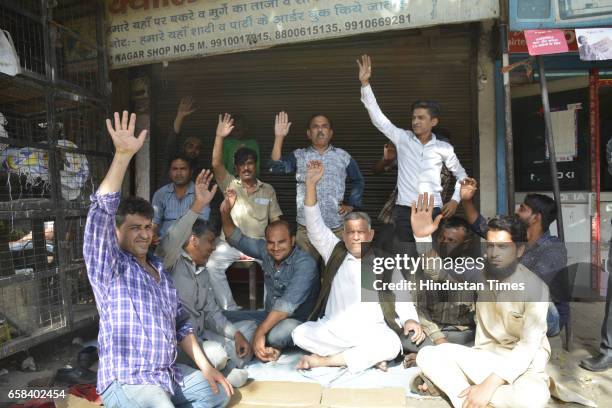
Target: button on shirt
419 165
141 320
168 208
293 286
339 165
252 212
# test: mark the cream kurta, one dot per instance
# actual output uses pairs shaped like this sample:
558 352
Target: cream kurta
356 329
510 342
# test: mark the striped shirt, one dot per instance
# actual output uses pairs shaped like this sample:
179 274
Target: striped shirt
168 208
141 320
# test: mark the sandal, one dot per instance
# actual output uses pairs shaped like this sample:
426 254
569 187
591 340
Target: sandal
419 379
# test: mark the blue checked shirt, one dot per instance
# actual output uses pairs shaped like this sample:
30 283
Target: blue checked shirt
141 320
168 208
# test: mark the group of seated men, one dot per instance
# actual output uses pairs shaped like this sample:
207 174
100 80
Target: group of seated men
171 334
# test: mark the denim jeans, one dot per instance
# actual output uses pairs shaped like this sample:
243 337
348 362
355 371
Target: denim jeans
552 321
280 335
195 393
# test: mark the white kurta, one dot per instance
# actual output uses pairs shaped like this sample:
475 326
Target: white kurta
356 329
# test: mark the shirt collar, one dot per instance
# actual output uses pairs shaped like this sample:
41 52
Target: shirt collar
190 188
330 148
196 269
258 183
432 141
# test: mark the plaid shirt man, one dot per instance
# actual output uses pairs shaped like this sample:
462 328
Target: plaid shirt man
141 320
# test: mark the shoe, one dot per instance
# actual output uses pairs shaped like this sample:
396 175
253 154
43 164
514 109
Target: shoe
87 357
600 362
73 376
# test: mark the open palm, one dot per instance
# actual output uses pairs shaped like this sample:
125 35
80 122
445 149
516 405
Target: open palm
201 187
225 125
123 133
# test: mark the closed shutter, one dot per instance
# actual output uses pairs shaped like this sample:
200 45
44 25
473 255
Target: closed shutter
322 77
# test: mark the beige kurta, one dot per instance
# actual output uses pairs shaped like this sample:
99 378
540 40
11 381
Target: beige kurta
510 342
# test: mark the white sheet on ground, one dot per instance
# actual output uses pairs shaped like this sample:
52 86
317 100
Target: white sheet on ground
331 377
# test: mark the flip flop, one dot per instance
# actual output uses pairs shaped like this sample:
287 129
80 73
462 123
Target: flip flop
419 379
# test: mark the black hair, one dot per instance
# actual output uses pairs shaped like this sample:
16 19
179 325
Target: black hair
180 156
279 223
331 125
201 227
512 224
133 205
456 222
432 107
243 154
543 205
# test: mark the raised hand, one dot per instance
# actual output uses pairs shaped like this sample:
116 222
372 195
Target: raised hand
123 134
225 125
281 125
365 69
389 152
185 107
469 186
314 171
421 217
202 193
228 202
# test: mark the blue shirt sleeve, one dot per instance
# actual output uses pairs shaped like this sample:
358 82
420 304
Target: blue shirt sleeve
255 248
358 184
286 165
480 226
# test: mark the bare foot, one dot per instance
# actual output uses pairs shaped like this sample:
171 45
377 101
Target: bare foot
410 360
382 366
311 361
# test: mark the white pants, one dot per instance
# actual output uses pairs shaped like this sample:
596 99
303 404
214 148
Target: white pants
453 368
222 257
362 346
224 349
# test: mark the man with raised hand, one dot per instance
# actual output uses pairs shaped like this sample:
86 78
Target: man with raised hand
185 250
507 365
348 331
256 206
141 318
340 168
420 155
291 279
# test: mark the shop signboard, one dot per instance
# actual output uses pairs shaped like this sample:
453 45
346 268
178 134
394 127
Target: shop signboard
147 31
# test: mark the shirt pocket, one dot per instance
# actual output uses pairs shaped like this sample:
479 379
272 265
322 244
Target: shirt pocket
259 209
516 321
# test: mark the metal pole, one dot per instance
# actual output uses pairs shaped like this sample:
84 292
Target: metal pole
509 140
551 146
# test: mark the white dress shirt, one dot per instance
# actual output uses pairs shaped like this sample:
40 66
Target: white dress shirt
419 165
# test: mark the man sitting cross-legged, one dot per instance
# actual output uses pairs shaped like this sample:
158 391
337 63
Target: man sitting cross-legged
185 249
506 366
350 332
291 280
141 318
447 316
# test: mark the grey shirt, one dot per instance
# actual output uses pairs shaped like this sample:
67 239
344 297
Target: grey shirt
191 281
